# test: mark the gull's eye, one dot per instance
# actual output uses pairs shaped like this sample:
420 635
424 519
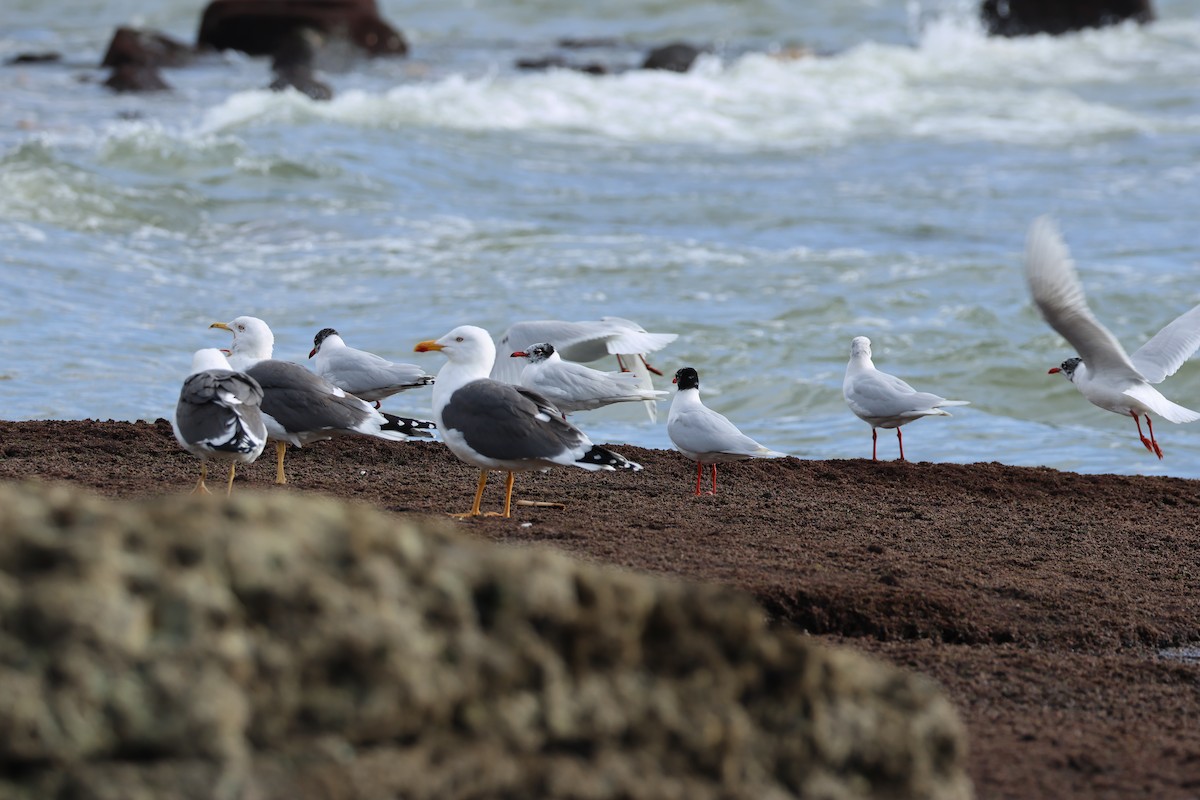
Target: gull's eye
458 338
242 328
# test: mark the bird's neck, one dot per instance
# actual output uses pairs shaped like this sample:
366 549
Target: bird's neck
861 362
452 377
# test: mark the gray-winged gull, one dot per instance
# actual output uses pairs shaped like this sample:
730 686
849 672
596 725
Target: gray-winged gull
883 400
584 342
218 416
360 373
573 387
1103 373
495 425
300 407
705 436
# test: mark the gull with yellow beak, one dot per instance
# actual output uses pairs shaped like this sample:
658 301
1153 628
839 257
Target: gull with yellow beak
299 406
494 425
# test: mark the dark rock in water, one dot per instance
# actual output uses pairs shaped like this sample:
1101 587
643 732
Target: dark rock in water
260 27
293 65
1028 17
585 43
146 48
34 58
287 646
674 57
560 62
136 78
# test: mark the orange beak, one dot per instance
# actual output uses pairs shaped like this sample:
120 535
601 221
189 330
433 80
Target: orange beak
427 346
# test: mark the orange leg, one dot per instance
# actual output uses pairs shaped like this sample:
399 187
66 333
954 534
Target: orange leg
1150 444
714 478
508 487
474 512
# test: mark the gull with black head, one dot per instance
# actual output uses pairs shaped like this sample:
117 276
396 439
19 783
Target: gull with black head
706 436
573 387
494 425
361 373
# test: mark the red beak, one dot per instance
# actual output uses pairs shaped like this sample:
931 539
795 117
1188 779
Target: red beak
519 354
674 380
1054 370
312 352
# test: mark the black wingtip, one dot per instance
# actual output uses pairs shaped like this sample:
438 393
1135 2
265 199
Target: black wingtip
607 458
409 427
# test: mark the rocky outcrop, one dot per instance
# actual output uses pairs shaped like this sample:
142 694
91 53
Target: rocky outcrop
1027 17
260 27
135 57
674 57
282 646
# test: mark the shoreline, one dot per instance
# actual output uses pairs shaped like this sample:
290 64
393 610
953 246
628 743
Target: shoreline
1040 600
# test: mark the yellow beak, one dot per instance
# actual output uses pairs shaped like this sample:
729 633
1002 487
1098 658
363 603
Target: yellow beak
426 346
222 326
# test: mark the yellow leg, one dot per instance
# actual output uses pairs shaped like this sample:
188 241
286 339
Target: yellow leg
508 486
474 512
280 449
201 488
229 486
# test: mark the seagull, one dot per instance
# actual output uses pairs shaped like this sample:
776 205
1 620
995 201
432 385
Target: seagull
705 436
360 373
494 425
1102 372
299 406
883 400
584 342
218 416
573 387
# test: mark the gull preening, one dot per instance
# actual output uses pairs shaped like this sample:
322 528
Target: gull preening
705 436
1102 372
218 416
584 342
495 425
573 387
360 373
884 401
299 406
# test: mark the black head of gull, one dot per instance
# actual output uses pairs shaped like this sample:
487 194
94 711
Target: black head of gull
1067 368
686 378
537 353
218 415
320 338
495 425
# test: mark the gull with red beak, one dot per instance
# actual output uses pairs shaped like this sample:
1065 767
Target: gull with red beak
1102 372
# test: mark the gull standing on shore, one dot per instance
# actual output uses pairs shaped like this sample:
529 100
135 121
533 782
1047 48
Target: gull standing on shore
360 373
495 425
1102 372
300 407
705 436
573 387
218 416
883 400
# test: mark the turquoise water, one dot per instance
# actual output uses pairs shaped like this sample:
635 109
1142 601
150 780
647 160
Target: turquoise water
766 209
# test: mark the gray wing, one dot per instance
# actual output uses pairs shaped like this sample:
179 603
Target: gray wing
878 394
522 335
366 374
1056 290
301 401
219 410
1166 351
702 430
509 423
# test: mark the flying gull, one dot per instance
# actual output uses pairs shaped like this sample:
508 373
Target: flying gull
585 342
884 401
494 425
705 436
218 416
573 387
360 373
300 407
1102 372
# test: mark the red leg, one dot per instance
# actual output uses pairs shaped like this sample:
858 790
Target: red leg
650 368
714 478
1153 441
621 364
874 441
900 439
699 475
1148 443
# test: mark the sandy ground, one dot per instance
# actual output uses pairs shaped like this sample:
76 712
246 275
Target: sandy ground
1042 601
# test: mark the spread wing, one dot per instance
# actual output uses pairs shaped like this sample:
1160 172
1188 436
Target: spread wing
1166 351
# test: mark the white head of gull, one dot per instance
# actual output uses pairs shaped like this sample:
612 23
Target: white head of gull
706 436
218 415
300 407
884 401
495 425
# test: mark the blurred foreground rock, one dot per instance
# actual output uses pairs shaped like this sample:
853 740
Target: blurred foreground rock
283 646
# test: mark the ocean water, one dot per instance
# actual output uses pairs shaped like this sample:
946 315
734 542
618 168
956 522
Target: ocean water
766 207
